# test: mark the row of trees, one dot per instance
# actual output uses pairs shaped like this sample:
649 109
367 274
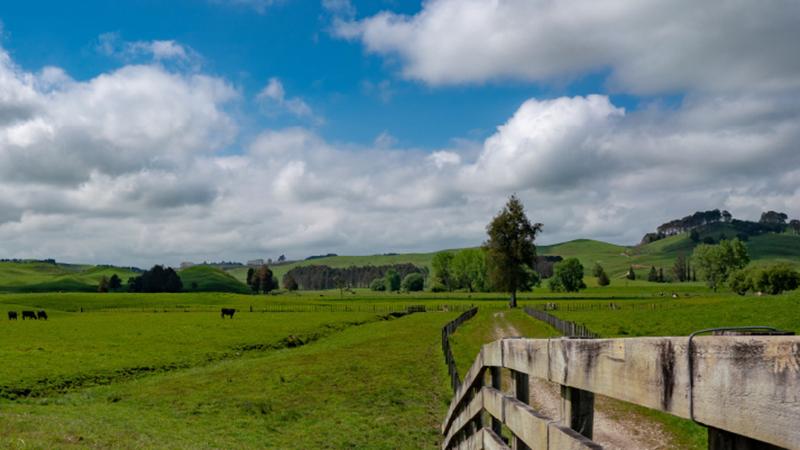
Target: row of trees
772 279
318 277
157 279
391 282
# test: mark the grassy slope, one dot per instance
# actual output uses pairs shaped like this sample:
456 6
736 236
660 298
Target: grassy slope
43 277
378 386
210 279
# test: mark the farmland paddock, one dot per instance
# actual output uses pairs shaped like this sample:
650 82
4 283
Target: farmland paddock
743 388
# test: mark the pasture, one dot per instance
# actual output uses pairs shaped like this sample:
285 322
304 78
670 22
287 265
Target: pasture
325 369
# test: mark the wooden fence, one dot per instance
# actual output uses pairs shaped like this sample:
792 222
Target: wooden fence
745 389
447 330
566 327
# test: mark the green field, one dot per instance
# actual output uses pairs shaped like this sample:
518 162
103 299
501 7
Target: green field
326 369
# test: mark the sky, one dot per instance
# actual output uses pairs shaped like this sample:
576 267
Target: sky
147 132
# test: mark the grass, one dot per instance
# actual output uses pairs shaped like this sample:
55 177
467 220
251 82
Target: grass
36 276
380 386
211 279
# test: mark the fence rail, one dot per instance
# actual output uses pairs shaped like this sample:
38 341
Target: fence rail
566 327
277 308
447 330
743 388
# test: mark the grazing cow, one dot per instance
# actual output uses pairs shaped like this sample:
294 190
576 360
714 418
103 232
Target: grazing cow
28 315
41 315
227 312
12 315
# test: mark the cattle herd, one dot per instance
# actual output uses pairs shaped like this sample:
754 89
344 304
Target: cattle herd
40 315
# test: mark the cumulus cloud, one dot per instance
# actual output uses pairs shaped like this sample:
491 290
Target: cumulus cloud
274 95
649 46
125 168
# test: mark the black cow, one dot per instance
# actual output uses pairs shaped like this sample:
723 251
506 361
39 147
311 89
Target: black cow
28 315
12 315
227 312
41 315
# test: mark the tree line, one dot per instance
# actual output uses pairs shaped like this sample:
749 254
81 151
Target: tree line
318 277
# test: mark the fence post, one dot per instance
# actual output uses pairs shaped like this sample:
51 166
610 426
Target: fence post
577 410
497 427
521 393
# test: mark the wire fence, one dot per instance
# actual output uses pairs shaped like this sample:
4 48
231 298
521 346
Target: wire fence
447 330
567 328
288 308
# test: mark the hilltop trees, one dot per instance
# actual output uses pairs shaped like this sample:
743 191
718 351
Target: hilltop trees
567 276
510 252
718 261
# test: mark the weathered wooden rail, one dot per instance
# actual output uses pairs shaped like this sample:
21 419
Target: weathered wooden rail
447 330
745 389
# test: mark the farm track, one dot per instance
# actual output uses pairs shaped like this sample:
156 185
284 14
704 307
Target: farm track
615 428
62 385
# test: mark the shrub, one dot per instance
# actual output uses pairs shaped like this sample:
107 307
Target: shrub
413 282
567 276
603 280
378 284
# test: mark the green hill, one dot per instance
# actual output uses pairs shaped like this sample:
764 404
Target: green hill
38 276
211 279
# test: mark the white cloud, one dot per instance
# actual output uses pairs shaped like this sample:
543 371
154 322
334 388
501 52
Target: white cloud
111 44
273 94
124 168
649 46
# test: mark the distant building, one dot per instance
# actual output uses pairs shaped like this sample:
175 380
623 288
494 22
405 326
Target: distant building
187 264
255 262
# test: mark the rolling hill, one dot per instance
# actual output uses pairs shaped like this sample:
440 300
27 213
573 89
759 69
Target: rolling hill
41 276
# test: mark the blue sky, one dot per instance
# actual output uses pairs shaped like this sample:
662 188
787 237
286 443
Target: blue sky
140 132
289 40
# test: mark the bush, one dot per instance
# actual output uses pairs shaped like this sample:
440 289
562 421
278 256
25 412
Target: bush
773 279
567 276
603 280
378 284
413 282
392 280
438 287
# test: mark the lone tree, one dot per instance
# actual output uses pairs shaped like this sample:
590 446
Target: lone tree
718 261
510 252
567 276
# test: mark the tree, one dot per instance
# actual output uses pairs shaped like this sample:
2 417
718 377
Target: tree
413 282
661 275
681 268
250 273
718 261
603 280
510 251
157 279
602 276
794 224
289 283
102 286
442 272
567 276
114 283
631 275
392 280
281 258
378 284
468 270
773 218
694 235
653 274
263 280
